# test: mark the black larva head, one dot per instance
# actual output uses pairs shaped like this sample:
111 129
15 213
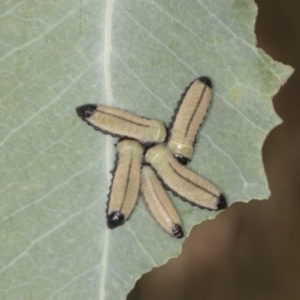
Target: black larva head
177 231
115 219
206 80
181 159
85 111
222 202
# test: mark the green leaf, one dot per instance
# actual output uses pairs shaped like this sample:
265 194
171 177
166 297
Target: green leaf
140 56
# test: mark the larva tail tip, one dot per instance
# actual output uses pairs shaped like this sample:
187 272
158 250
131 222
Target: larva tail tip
206 80
86 110
222 202
177 231
115 219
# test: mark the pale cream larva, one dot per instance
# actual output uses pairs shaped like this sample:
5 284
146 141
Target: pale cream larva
185 183
121 123
159 204
188 117
125 183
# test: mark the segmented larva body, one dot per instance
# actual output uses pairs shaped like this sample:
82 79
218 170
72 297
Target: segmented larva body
159 204
125 183
185 183
188 117
122 123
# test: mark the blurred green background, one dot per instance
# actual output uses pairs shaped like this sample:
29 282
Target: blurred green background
251 251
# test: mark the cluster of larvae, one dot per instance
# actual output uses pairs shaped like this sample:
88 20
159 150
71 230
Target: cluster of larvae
151 158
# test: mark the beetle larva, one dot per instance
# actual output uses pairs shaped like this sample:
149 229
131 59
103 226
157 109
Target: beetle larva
159 204
122 123
183 182
126 182
188 117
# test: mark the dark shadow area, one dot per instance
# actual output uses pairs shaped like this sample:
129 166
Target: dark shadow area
251 251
